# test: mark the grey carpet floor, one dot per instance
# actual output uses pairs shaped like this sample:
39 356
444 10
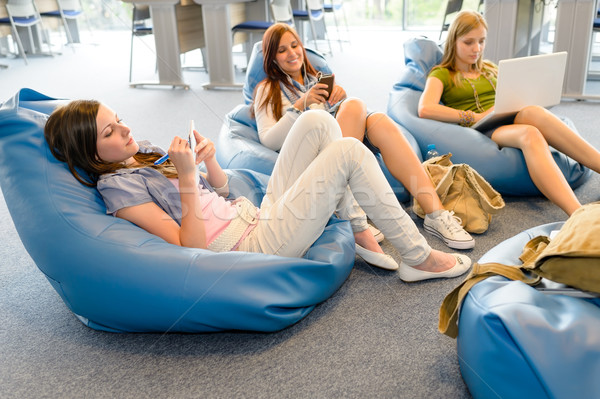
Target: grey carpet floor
375 337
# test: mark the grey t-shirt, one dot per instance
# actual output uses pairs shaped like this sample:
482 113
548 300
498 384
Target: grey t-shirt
135 186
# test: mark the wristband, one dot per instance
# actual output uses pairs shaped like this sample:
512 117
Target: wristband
466 118
224 187
294 109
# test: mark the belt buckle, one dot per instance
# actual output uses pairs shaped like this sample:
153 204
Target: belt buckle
246 211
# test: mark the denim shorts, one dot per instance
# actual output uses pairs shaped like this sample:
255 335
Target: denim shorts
502 122
333 111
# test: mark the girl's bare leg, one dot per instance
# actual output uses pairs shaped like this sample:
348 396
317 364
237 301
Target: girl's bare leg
560 136
351 117
396 151
401 160
544 172
404 164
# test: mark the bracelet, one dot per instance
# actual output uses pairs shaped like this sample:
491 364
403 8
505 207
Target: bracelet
295 109
221 189
466 118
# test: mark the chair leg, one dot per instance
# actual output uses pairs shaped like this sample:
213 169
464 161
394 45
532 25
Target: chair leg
67 30
443 28
248 47
346 23
2 66
233 44
326 35
47 38
131 58
203 52
31 43
87 21
19 44
337 28
314 33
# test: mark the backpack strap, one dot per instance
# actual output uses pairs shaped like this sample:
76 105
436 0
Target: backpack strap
448 318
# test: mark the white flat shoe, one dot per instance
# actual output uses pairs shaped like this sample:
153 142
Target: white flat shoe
410 274
377 259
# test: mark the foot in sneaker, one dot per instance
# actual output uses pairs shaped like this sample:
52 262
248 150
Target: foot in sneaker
379 237
447 227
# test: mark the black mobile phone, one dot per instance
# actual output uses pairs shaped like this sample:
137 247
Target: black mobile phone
328 80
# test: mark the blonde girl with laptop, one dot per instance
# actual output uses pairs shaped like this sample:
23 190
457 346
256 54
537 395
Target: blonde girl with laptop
461 89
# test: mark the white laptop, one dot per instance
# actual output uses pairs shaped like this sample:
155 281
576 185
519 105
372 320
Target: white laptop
533 80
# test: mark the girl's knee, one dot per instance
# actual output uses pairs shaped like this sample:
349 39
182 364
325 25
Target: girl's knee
353 105
314 117
351 145
530 115
379 116
319 121
532 137
379 119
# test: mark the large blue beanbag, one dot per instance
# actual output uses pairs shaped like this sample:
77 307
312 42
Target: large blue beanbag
117 277
516 342
504 168
239 146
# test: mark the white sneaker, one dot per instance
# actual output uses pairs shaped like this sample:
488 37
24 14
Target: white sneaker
447 227
379 237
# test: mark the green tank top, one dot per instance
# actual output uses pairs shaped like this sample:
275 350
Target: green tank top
462 96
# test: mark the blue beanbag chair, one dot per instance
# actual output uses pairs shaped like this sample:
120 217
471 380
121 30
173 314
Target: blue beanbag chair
517 342
117 277
504 168
239 146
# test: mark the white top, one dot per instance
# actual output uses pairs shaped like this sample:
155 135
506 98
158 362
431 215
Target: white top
272 132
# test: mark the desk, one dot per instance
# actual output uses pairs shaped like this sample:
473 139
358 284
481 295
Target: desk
164 26
217 35
217 31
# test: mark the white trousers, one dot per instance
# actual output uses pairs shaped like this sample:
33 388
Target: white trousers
317 173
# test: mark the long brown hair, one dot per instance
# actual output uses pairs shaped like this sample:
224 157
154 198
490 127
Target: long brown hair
464 22
270 46
72 133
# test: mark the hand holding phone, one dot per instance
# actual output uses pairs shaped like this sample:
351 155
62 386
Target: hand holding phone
191 141
329 81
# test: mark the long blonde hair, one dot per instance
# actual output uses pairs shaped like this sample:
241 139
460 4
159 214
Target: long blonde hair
464 23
